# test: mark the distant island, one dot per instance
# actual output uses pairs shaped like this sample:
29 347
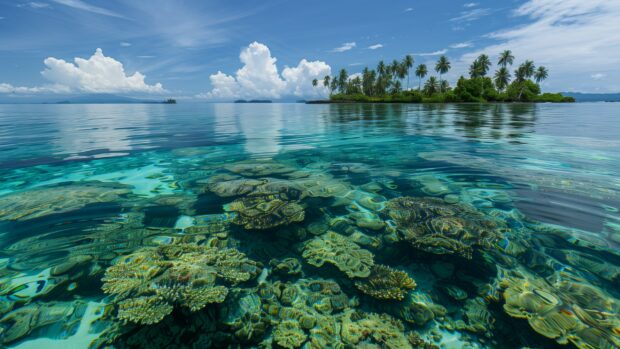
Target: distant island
385 84
98 98
253 101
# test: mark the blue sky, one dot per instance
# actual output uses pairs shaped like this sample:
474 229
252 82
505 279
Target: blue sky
177 48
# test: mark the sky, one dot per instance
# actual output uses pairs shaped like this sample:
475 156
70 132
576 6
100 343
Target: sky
223 50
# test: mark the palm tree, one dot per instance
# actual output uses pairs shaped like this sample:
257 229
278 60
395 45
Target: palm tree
326 81
475 69
444 85
421 72
484 63
431 86
407 64
442 66
506 58
396 88
502 78
315 83
541 74
528 69
520 74
343 79
395 69
381 69
333 86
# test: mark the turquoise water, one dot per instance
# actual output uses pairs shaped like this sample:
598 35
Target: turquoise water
292 225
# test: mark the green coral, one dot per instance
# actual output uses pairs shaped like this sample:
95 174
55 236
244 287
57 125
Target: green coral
338 250
265 212
434 226
386 283
148 283
381 329
289 335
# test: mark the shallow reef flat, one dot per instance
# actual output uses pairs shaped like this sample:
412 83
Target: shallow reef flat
389 245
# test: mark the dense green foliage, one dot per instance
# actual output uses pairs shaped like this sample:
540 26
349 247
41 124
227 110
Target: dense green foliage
385 83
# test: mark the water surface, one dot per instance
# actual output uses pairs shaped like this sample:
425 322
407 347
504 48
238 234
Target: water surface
505 215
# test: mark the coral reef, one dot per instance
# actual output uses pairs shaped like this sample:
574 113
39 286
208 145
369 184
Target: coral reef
265 212
386 283
148 283
338 250
562 309
44 201
434 226
361 328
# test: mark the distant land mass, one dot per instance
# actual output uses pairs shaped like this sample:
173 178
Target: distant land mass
109 99
253 101
593 97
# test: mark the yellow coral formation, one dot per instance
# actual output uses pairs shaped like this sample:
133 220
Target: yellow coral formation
386 283
382 329
289 335
562 309
152 280
338 250
265 212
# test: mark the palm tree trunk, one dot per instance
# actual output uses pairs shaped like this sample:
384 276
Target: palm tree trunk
420 84
407 81
440 85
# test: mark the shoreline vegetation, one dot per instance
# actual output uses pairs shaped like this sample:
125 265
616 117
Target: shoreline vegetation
385 83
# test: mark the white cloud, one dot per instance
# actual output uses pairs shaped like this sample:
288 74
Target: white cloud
409 9
470 4
598 76
34 4
259 78
471 15
81 5
574 39
125 44
374 47
461 45
345 47
98 74
435 53
10 89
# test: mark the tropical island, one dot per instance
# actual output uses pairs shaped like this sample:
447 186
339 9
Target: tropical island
385 84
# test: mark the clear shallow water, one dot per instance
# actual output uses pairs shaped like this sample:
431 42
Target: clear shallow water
506 216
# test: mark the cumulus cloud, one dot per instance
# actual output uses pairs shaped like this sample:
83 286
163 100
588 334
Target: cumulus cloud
97 74
375 47
345 47
259 77
575 39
